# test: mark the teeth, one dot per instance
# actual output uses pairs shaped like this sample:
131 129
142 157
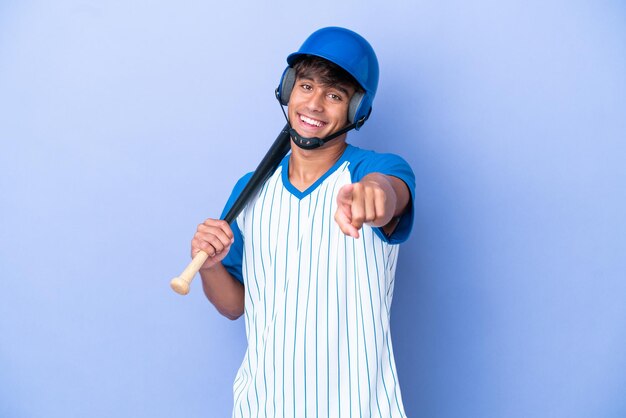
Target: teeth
311 121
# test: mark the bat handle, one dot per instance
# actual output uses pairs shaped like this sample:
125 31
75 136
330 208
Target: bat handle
181 283
266 167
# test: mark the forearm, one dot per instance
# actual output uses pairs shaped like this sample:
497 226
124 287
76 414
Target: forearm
224 291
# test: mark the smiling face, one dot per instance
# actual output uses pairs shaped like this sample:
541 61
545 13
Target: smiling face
318 109
320 98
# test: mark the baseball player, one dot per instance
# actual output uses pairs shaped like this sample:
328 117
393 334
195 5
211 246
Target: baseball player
311 259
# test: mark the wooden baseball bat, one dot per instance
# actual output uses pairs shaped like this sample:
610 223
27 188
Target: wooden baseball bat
266 167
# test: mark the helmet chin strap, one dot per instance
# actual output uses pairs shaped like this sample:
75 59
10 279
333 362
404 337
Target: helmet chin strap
315 142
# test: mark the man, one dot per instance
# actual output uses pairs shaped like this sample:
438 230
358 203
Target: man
311 259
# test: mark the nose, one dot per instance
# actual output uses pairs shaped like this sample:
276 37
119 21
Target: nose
316 101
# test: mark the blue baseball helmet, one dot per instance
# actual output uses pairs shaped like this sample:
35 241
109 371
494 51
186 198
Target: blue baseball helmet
348 50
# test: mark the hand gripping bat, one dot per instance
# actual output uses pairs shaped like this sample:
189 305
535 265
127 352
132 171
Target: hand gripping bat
266 167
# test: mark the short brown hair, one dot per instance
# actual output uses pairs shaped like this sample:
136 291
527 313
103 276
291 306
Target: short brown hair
326 72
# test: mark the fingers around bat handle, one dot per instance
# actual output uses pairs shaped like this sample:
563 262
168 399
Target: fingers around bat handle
180 286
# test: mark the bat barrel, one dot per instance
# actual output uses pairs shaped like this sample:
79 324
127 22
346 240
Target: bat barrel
266 167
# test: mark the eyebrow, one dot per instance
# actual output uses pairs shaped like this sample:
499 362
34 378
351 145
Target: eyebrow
341 88
337 86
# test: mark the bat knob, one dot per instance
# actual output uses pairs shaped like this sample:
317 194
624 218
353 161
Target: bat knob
180 286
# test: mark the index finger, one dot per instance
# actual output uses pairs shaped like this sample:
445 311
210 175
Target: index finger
345 194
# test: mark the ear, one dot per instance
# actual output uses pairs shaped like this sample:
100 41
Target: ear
287 81
355 104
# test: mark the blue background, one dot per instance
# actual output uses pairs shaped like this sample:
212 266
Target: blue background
123 124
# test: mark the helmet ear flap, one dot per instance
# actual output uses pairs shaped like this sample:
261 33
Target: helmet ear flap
355 103
287 81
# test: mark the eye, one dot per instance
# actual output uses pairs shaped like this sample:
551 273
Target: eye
335 97
306 86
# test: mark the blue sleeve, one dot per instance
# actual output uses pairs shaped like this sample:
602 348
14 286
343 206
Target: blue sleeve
232 261
396 166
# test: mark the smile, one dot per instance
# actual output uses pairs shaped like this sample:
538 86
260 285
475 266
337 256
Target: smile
313 122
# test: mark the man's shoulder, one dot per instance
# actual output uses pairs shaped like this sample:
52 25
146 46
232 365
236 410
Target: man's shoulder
357 154
241 183
243 180
370 160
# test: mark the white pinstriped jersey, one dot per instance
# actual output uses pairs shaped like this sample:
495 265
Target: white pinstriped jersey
317 302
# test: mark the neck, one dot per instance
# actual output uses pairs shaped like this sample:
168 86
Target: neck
307 166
